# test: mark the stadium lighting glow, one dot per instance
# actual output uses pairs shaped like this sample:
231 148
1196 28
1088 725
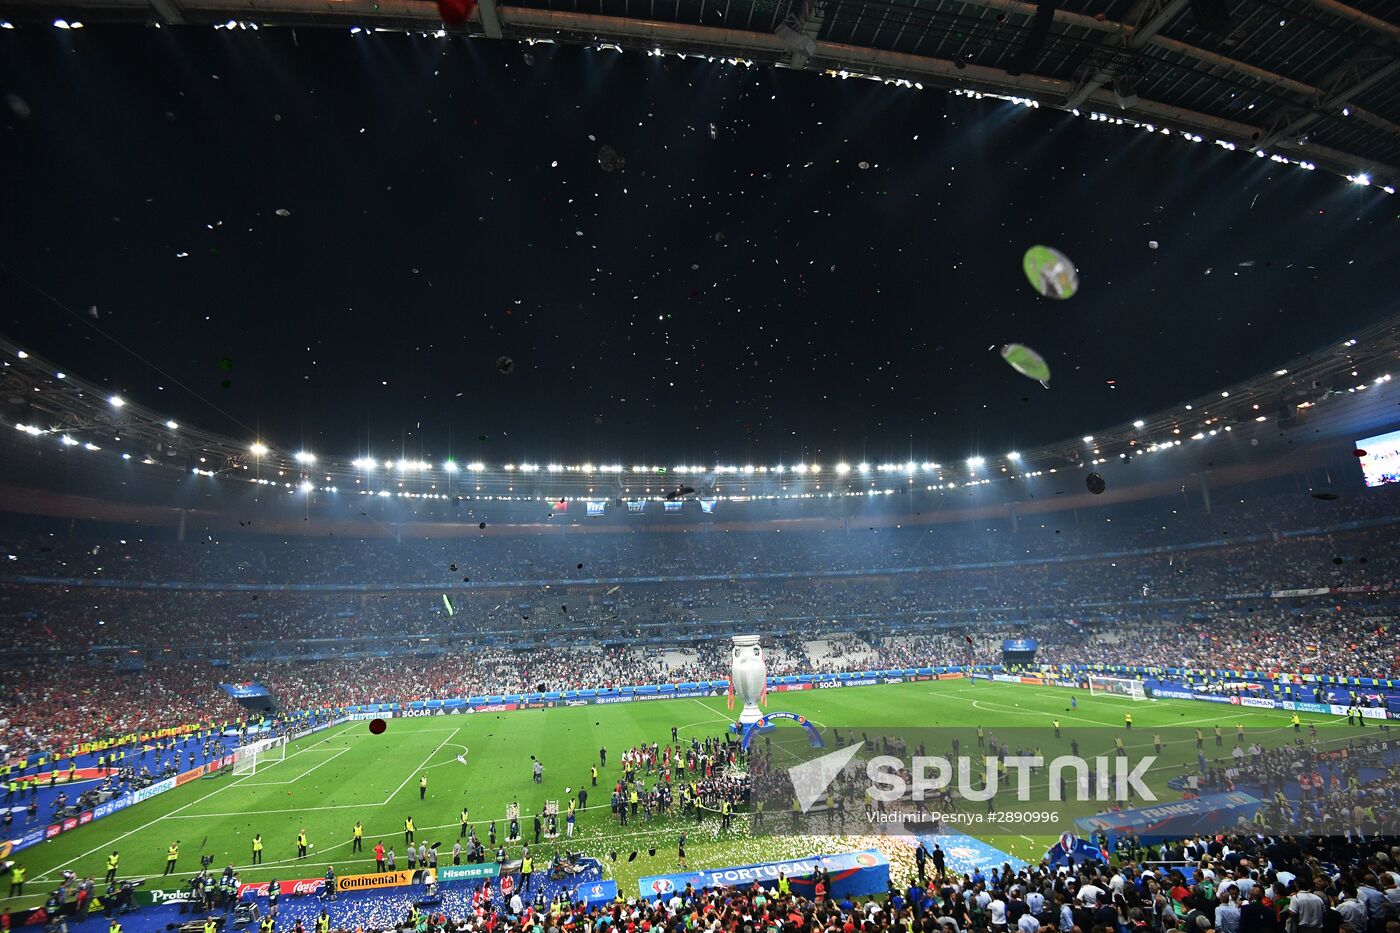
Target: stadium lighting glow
476 466
305 486
975 462
1013 456
450 466
116 401
304 457
1281 372
22 355
91 446
842 469
1139 423
126 456
364 463
68 441
258 449
1088 438
171 425
1363 179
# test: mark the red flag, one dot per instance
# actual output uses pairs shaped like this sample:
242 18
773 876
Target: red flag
456 12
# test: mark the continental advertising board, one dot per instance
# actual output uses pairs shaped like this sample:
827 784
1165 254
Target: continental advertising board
384 879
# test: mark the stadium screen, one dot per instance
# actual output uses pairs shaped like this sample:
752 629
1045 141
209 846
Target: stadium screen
1380 458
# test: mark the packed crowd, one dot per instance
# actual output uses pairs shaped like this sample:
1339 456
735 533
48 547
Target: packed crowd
1247 883
89 660
249 558
64 698
238 624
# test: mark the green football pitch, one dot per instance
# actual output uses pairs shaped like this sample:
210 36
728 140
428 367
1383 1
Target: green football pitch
329 780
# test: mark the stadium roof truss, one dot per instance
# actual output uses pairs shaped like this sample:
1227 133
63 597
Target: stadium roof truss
1312 82
38 402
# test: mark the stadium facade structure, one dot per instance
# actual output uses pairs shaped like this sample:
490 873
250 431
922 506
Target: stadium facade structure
1310 82
1300 417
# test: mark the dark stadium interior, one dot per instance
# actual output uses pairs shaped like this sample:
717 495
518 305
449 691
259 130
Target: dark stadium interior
397 395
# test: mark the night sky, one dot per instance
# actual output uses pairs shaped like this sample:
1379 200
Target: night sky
788 266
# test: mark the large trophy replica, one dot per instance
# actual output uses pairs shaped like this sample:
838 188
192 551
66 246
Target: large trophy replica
748 677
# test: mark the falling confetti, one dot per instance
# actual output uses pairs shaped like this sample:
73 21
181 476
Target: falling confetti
1050 272
283 212
1026 361
610 160
18 106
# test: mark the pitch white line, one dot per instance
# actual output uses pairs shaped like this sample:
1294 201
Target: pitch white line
421 766
338 806
145 826
707 709
985 706
333 757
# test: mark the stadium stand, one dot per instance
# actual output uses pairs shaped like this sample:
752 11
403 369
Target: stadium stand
328 624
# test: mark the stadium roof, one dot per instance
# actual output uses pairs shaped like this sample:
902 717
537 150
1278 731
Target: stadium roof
45 406
1313 82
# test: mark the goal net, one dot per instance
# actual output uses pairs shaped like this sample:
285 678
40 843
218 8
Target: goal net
1116 686
247 759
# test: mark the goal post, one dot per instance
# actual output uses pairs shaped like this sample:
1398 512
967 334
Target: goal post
1116 686
261 753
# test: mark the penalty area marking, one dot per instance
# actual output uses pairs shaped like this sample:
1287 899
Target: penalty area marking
144 826
334 755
